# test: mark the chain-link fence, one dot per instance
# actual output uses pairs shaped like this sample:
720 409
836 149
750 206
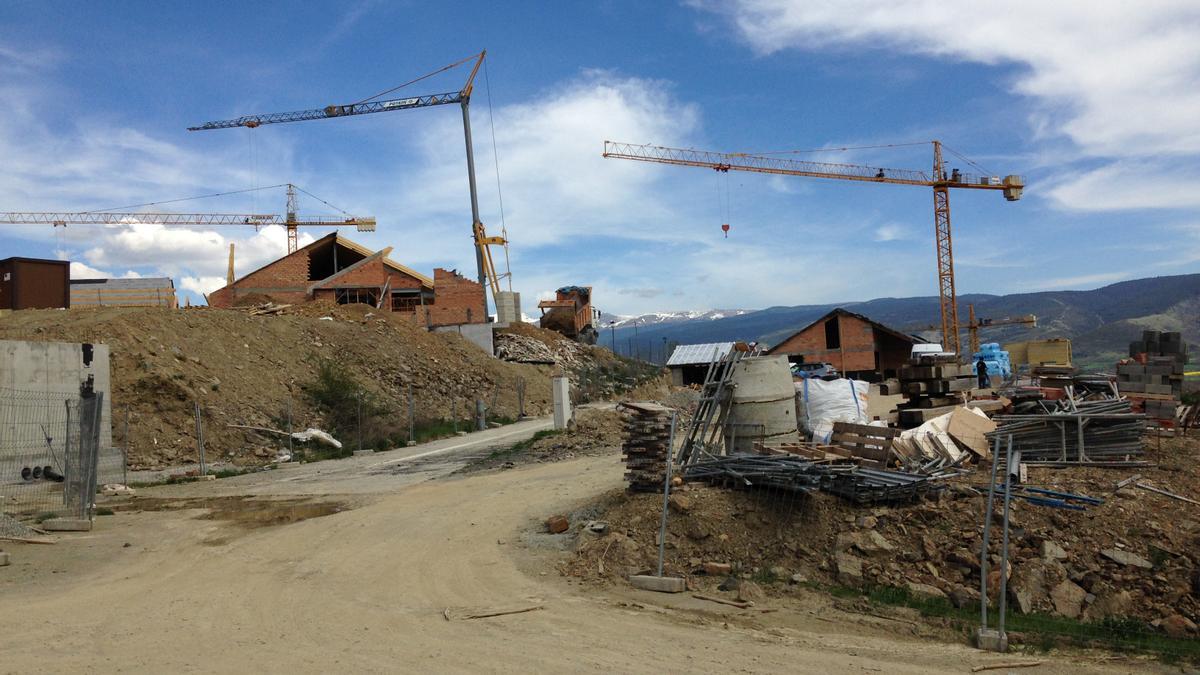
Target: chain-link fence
51 459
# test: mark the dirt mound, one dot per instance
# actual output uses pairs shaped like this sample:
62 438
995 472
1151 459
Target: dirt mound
244 369
1136 555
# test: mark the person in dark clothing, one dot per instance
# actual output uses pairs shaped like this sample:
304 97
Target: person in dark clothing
981 368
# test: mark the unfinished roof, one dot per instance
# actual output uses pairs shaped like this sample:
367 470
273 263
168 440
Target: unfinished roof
912 339
694 355
335 239
124 284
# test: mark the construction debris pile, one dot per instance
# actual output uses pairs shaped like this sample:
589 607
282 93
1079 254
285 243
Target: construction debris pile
595 373
646 446
1085 432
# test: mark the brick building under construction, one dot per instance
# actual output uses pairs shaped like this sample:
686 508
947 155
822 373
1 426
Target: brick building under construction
335 269
854 344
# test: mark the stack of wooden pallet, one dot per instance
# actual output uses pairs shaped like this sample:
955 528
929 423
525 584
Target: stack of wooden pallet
933 389
647 440
870 444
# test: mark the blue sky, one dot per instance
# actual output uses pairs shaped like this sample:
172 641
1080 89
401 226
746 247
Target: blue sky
1098 109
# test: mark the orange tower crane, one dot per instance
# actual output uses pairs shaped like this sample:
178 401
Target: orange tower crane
938 179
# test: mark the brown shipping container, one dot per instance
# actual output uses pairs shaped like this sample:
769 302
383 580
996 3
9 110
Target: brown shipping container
31 283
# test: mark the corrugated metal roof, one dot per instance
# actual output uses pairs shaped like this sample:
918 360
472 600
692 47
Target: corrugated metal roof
142 282
691 355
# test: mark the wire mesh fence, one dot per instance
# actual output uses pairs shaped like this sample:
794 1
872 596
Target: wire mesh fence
50 455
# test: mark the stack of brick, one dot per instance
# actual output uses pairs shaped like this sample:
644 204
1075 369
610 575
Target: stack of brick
647 439
1155 372
932 386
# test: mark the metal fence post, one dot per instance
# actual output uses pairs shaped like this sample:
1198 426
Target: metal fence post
662 530
1009 467
291 449
125 451
480 415
520 398
359 397
200 440
412 436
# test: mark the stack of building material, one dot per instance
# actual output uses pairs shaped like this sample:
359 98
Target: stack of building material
933 387
871 444
647 440
1154 372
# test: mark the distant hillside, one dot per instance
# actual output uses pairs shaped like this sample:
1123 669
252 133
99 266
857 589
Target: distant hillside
1100 322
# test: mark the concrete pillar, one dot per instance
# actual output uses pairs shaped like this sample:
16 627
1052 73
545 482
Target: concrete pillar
561 387
508 307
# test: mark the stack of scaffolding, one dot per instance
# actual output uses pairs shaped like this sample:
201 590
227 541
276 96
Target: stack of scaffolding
647 441
1103 432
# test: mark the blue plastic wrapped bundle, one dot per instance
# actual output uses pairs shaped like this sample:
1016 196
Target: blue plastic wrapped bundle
997 360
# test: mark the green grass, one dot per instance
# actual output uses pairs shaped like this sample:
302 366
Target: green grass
1041 631
764 575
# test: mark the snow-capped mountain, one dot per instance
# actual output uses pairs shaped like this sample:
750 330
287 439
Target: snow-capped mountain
656 318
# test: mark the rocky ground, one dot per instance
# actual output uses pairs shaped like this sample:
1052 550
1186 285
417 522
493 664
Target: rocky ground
244 369
1137 555
595 431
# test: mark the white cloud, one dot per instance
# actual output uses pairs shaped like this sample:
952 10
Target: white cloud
1130 184
1118 80
201 285
555 183
892 232
82 271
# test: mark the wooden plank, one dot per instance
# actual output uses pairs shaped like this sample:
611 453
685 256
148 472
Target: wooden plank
865 429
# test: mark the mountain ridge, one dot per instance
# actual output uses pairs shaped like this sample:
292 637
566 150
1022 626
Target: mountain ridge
1100 322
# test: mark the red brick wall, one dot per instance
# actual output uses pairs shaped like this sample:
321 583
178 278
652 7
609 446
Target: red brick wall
857 351
284 280
457 299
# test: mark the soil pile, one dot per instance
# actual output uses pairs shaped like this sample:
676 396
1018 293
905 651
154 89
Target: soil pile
1136 555
244 369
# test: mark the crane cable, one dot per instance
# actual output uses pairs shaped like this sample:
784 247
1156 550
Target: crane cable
216 194
423 77
496 160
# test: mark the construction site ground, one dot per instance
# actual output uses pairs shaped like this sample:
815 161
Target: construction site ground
379 563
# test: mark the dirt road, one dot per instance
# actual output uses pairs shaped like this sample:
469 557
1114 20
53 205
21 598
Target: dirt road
217 579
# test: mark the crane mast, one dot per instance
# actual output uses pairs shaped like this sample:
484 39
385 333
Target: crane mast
1012 187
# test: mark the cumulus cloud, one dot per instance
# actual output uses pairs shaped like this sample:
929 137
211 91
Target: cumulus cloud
1115 79
891 232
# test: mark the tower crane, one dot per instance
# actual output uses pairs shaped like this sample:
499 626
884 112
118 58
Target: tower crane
256 220
483 258
938 179
973 325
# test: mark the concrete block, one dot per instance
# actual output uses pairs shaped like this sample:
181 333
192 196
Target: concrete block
4 561
67 525
648 582
991 640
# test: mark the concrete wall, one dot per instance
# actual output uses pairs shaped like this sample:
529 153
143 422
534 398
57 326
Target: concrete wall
57 368
479 334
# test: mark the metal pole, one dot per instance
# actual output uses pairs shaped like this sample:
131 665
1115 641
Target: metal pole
291 449
1008 469
454 416
520 398
412 438
359 397
476 225
987 529
125 452
662 530
200 439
